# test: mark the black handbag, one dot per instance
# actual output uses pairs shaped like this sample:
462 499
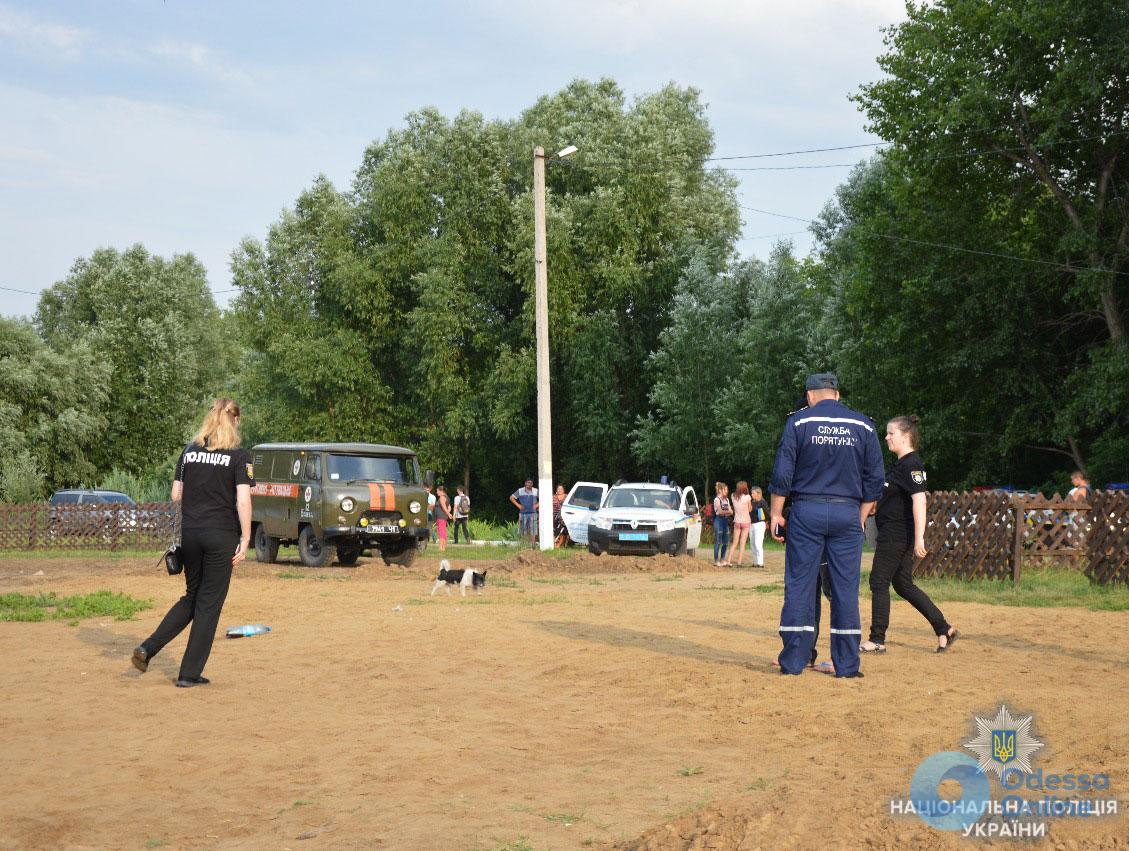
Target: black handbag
174 560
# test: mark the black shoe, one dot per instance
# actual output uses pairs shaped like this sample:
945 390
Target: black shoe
140 659
844 677
950 637
189 682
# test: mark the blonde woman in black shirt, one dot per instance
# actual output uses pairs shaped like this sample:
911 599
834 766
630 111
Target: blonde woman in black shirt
213 485
900 516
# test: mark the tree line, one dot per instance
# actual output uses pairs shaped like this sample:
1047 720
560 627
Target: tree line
971 272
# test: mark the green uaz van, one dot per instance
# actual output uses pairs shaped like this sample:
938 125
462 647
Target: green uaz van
348 496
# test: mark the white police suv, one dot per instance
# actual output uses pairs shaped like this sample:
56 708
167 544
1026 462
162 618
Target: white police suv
642 518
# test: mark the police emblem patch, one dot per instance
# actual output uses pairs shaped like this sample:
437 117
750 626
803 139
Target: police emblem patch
1004 742
918 476
250 471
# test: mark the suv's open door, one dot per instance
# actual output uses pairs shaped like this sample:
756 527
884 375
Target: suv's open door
582 500
693 511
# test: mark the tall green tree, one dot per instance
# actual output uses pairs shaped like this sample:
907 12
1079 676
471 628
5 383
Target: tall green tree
52 413
154 324
1026 103
422 277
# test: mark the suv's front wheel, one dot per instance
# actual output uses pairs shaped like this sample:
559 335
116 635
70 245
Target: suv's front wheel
312 549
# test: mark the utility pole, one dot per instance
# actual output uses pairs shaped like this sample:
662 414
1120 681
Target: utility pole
541 307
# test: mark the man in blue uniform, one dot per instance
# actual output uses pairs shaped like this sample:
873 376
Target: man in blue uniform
830 464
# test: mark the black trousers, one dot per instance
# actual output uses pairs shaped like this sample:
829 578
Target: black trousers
207 576
462 521
893 565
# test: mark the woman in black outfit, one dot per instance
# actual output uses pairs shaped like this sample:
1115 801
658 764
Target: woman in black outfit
213 485
901 536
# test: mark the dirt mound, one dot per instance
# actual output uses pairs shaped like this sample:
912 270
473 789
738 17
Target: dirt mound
537 562
733 825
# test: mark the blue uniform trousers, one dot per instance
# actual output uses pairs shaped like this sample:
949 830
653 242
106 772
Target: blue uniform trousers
818 529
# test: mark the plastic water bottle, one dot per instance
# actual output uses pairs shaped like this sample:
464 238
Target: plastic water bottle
246 630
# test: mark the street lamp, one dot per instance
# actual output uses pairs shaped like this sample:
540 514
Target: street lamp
541 307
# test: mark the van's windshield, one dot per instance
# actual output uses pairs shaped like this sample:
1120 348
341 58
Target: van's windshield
400 470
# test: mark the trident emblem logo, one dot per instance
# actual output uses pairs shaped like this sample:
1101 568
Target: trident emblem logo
1003 745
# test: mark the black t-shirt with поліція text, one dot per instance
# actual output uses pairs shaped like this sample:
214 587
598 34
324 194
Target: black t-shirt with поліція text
209 478
905 478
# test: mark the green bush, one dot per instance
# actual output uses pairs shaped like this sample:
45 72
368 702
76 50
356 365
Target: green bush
21 479
149 488
483 530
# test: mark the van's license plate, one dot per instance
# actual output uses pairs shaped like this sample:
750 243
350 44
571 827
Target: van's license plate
382 530
633 536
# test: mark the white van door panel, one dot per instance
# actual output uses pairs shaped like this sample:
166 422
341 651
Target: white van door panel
582 500
694 521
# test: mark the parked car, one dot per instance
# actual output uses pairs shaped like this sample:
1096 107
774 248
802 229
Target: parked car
96 521
643 518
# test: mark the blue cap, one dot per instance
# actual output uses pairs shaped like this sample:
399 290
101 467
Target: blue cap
822 381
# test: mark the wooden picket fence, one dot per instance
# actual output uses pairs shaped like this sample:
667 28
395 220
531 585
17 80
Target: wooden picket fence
107 526
989 535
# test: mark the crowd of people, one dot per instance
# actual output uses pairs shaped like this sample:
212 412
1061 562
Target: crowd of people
741 518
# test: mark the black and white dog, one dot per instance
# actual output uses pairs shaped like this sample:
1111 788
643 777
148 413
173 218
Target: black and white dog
463 578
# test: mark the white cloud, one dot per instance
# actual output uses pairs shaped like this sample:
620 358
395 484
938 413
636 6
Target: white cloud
626 26
207 62
30 31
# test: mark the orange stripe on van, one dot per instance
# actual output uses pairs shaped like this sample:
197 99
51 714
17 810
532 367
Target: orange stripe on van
375 497
389 498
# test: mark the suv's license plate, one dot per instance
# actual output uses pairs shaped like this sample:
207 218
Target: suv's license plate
633 536
381 530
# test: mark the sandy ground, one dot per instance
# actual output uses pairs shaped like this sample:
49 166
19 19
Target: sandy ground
564 708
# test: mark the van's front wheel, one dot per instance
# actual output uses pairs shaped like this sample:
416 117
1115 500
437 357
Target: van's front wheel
266 547
402 557
312 549
347 554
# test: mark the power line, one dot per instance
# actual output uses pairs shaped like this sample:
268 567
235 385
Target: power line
1061 266
40 292
795 153
607 165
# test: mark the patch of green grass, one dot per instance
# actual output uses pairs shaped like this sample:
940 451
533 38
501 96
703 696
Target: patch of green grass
769 589
154 843
671 578
462 553
522 843
505 582
759 785
418 601
1038 588
564 818
49 606
47 554
293 806
687 771
703 799
549 580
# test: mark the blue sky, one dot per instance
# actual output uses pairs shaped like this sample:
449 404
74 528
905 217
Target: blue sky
186 125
